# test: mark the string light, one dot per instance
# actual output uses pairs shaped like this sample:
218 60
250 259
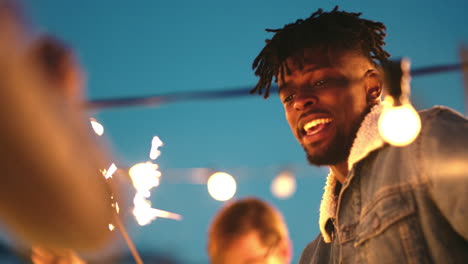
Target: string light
284 185
221 186
399 123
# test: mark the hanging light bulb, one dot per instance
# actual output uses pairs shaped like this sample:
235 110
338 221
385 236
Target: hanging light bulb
284 185
399 124
221 186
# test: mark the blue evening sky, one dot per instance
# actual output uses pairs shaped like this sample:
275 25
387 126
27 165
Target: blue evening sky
138 48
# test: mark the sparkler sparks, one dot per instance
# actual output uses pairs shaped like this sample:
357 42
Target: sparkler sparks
97 127
155 144
108 173
146 176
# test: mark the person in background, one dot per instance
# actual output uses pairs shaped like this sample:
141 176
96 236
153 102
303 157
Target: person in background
50 194
61 68
66 81
249 231
382 203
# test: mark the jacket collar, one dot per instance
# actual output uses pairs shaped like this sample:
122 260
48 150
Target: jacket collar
367 140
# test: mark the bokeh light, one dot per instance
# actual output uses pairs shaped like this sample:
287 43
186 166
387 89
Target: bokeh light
221 186
284 185
399 125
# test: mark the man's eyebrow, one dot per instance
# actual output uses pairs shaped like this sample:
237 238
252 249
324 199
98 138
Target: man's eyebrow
284 86
312 68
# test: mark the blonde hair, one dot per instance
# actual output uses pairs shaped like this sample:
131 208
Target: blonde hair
240 217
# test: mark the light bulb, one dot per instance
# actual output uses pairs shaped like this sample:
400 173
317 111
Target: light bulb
221 186
284 185
399 125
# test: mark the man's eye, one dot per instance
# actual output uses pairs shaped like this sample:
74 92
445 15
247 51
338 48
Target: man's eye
320 82
288 98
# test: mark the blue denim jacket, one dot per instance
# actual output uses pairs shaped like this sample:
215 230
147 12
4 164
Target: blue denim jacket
402 204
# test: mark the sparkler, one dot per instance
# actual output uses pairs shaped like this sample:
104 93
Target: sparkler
155 144
97 127
146 176
108 173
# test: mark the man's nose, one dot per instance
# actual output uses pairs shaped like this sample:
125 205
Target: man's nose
304 101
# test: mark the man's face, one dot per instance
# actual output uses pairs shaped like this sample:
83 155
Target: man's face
325 98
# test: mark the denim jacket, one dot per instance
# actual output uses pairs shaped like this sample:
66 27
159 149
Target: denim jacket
399 204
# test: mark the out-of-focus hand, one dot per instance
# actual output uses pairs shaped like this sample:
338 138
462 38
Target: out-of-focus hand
41 255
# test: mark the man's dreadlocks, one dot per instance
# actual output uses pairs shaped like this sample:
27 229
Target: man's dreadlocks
335 29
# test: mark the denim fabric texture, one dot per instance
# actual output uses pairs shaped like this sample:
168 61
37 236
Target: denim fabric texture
404 204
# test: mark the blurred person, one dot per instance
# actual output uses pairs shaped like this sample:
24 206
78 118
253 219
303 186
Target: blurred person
249 231
50 194
382 203
60 67
62 71
42 255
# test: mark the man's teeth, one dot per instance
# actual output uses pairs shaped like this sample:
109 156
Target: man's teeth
316 122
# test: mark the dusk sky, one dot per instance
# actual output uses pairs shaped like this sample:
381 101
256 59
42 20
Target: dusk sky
142 48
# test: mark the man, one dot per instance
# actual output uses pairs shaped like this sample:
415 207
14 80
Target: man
382 204
248 231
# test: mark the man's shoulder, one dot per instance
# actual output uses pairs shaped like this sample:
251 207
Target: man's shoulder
440 112
443 121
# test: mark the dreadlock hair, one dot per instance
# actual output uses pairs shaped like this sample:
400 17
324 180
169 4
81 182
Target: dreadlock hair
334 29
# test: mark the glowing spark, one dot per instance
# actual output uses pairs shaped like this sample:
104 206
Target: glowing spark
144 177
108 173
155 144
97 127
111 227
144 214
116 206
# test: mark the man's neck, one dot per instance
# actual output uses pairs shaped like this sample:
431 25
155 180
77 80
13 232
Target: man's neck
340 171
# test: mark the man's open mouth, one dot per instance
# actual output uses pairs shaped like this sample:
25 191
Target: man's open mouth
315 126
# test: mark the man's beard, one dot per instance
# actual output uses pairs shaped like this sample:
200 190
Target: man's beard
340 147
335 153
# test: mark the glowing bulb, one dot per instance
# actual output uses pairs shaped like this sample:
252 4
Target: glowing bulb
97 127
221 186
399 125
284 185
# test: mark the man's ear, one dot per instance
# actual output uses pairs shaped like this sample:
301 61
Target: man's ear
374 85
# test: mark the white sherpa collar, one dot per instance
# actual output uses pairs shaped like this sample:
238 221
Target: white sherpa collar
367 140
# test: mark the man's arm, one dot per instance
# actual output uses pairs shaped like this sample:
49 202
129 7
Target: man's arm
444 153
